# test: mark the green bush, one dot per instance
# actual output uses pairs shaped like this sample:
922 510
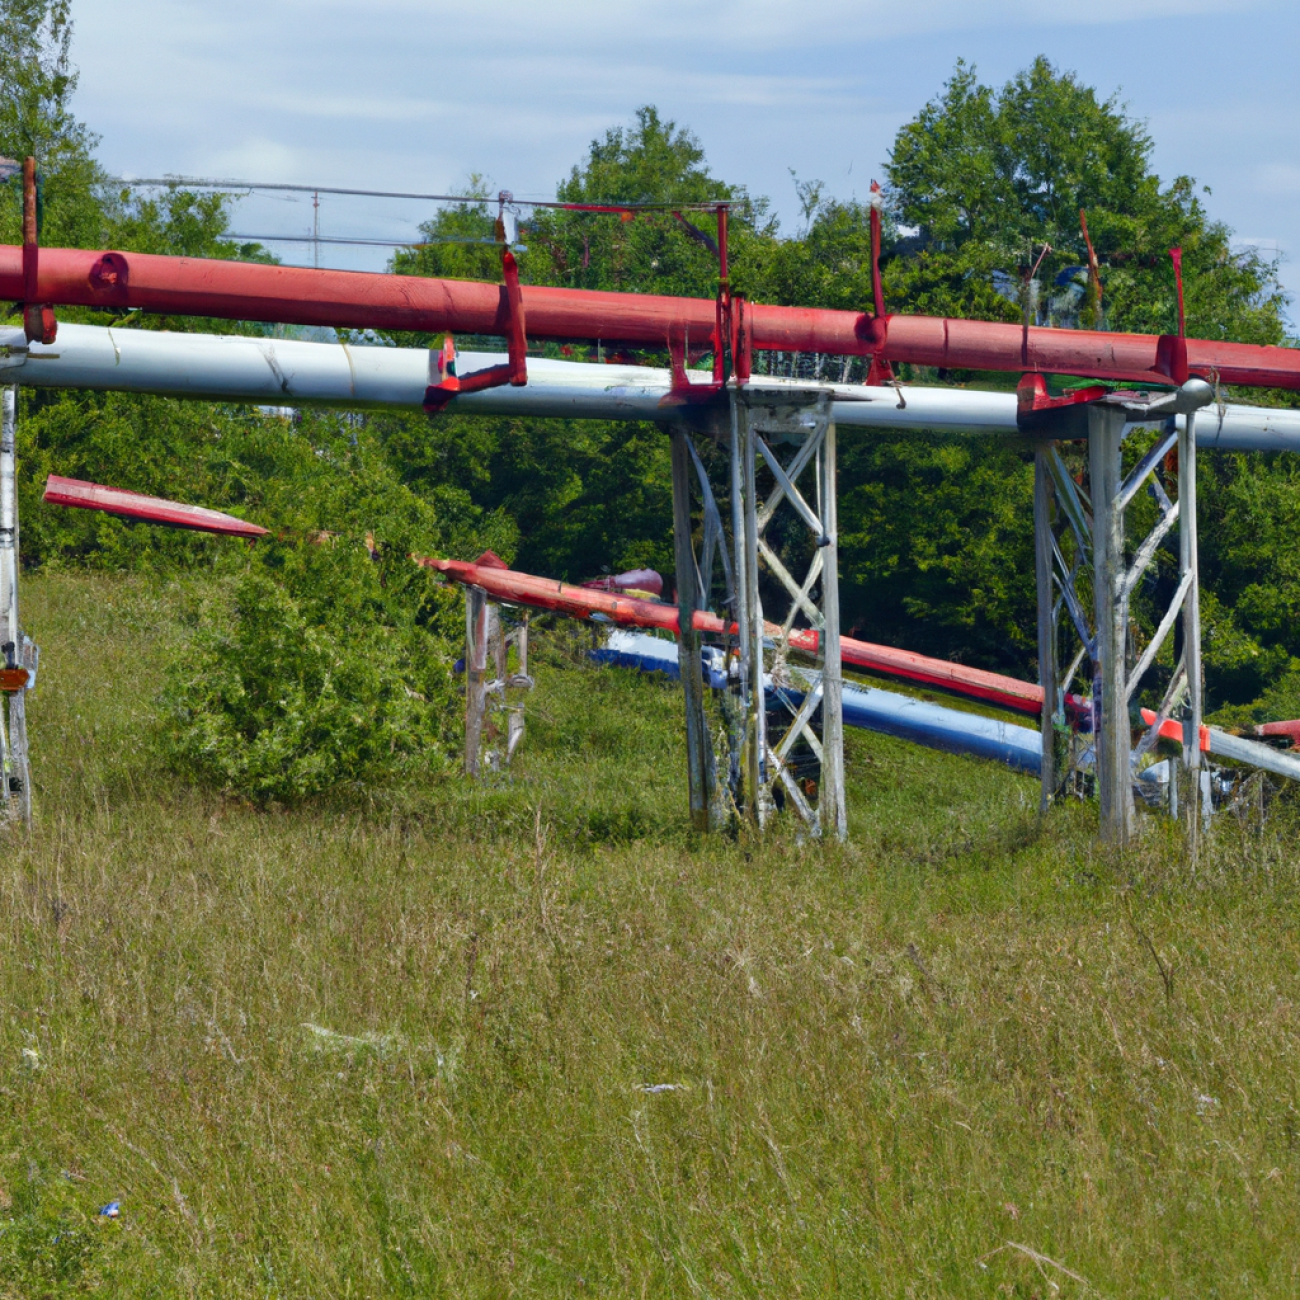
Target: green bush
317 663
313 665
282 695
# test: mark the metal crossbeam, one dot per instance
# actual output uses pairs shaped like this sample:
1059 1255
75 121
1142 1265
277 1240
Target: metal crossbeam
1147 551
1073 603
715 538
1142 471
792 493
793 471
1071 501
798 727
801 602
1166 626
797 591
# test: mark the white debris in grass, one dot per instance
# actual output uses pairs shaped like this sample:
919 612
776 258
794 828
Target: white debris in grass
385 1046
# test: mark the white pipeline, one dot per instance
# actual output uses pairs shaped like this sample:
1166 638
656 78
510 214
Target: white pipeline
283 372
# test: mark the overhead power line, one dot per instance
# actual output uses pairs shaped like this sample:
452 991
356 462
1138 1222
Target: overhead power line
195 183
199 183
376 243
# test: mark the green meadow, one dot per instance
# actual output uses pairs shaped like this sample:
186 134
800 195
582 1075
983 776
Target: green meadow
532 1037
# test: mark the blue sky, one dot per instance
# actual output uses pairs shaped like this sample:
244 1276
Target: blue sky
398 94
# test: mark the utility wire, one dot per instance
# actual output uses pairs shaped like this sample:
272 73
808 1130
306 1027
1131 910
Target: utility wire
194 182
376 243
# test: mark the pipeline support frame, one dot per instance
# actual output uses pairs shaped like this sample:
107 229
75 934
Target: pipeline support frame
486 638
691 578
762 420
1096 518
18 656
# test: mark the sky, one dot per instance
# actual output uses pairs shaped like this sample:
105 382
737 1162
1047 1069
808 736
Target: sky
412 96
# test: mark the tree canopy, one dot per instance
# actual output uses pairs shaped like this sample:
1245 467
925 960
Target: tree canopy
79 204
661 250
991 179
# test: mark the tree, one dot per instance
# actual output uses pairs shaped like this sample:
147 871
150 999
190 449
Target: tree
584 496
579 495
937 530
37 81
673 252
828 263
667 250
78 205
457 241
992 179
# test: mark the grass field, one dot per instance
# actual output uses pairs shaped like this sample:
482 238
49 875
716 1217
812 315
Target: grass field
406 1046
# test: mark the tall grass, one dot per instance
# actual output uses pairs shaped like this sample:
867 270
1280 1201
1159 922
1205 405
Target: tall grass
532 1037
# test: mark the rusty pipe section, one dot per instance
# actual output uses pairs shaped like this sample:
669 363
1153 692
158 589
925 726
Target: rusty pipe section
489 574
38 318
300 295
187 286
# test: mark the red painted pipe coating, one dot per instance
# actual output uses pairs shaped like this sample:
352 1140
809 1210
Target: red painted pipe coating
300 295
629 611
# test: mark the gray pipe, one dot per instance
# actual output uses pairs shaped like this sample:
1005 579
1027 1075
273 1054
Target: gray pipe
286 372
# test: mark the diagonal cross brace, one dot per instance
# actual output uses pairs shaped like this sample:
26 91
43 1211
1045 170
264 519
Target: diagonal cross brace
1078 616
1166 626
1144 467
1147 551
757 416
785 477
786 484
814 572
800 725
798 594
713 535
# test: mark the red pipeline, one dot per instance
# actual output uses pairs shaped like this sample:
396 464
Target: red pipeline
184 286
630 611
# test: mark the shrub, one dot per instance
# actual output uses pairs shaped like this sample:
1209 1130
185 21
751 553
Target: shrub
316 662
282 695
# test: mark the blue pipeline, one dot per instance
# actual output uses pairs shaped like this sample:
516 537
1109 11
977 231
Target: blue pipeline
868 707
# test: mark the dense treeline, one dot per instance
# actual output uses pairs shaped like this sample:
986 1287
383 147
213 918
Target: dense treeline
981 188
